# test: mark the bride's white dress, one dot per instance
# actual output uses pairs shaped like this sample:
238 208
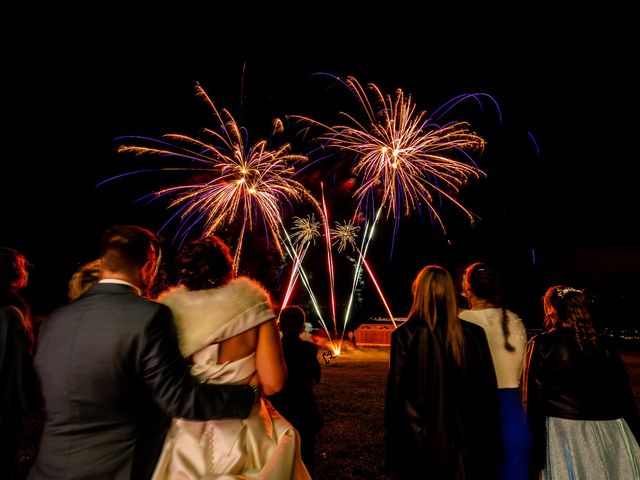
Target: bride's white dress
263 446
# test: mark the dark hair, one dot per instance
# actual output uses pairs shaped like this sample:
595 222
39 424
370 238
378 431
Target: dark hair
570 306
486 283
291 320
204 263
127 247
13 266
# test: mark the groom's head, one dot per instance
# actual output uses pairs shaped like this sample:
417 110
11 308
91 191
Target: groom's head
130 253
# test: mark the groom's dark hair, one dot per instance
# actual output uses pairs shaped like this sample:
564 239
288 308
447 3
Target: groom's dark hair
127 247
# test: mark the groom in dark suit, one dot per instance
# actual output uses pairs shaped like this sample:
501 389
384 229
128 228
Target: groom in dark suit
112 374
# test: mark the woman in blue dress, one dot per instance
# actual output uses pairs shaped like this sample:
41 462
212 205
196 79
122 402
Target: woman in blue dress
507 338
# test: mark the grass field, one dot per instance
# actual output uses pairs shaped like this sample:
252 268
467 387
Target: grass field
351 397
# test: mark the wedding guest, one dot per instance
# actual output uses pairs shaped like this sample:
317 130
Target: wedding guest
441 406
297 400
83 279
112 374
226 328
507 337
579 399
18 382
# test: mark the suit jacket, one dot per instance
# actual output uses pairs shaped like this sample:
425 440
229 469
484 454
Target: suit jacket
441 419
112 376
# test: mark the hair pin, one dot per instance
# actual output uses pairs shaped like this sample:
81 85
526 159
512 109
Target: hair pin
561 292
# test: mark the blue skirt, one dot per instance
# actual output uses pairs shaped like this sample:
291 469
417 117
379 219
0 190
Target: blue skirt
516 437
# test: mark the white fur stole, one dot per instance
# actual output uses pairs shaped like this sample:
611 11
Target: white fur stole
203 317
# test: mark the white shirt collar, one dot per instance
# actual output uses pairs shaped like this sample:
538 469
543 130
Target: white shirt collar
121 282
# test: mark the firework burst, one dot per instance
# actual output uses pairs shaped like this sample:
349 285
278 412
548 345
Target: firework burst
236 180
345 234
305 230
401 156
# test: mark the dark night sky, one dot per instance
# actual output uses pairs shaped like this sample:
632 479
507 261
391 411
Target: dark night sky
71 88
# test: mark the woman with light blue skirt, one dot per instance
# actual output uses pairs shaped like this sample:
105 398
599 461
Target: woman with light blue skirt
579 400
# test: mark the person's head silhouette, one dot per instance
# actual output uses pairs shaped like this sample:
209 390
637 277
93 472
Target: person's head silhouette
291 320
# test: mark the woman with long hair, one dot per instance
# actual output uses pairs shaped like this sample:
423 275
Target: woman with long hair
18 382
441 405
507 336
579 400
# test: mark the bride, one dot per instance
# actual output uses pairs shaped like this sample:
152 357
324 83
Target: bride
226 328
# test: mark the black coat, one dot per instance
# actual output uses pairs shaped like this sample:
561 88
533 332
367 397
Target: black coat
112 376
18 382
18 386
441 420
297 401
564 381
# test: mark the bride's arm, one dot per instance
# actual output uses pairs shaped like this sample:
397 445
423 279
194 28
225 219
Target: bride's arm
269 358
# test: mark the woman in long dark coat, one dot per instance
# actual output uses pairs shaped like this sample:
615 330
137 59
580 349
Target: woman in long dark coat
18 383
441 408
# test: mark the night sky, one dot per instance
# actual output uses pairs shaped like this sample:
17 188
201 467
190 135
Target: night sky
557 210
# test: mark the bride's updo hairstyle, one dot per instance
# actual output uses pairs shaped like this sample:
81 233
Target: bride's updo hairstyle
204 263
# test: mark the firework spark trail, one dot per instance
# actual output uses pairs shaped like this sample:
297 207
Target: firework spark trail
327 233
450 104
377 285
299 255
306 230
240 180
305 281
366 240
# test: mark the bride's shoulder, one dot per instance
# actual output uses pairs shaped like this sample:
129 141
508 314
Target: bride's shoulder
248 287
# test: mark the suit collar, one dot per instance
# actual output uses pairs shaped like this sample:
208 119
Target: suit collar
108 287
122 282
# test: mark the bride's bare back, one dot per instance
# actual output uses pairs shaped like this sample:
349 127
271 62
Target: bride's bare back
265 341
